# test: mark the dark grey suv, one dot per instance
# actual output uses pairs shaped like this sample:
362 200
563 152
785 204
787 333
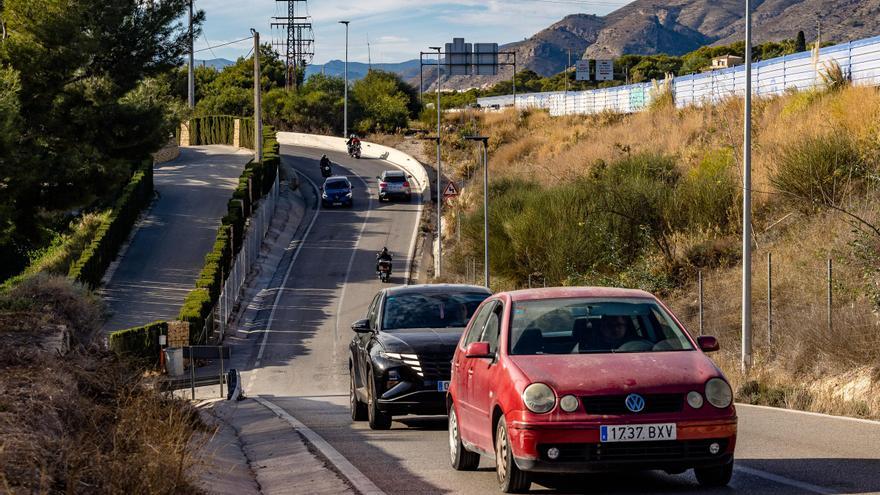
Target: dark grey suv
400 358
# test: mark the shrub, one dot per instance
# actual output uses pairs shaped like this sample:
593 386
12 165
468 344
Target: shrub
819 171
195 311
97 256
140 342
708 193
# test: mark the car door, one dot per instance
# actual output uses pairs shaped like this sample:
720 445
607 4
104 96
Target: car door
483 377
461 369
363 343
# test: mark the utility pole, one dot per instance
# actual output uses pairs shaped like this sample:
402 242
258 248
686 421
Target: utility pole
439 176
258 101
567 68
747 203
345 111
369 57
485 141
191 75
298 41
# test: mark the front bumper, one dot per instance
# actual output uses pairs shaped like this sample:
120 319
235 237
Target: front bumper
582 452
423 402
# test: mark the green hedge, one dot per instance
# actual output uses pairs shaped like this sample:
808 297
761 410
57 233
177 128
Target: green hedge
140 342
98 255
255 182
246 133
220 129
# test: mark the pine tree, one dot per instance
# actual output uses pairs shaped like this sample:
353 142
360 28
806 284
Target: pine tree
800 45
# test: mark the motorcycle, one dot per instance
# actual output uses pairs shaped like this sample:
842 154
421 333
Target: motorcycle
384 271
326 171
354 150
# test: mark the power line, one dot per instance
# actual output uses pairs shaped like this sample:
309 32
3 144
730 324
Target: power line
224 44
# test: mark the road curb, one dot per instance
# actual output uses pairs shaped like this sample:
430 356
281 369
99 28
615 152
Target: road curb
354 476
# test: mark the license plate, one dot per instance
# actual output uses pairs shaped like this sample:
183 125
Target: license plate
443 386
337 204
637 433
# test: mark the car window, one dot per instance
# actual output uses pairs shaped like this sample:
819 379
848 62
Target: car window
430 310
477 323
593 326
373 312
395 178
493 328
337 184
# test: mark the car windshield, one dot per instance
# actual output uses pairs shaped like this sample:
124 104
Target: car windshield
337 184
593 326
437 310
395 178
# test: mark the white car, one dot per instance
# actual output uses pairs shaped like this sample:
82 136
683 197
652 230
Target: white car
394 183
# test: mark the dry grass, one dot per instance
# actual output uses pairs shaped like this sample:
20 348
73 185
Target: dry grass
807 366
75 419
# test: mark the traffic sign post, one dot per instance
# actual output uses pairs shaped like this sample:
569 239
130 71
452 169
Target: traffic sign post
451 192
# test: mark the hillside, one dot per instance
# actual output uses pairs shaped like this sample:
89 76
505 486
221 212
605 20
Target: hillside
607 200
358 70
675 27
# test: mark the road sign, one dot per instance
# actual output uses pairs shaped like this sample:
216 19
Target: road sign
583 70
604 70
451 191
486 59
458 57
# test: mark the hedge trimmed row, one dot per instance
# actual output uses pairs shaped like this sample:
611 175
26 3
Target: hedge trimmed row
91 265
140 342
255 182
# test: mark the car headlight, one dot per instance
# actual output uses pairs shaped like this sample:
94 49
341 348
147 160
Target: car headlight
539 398
324 195
569 403
718 393
347 195
410 360
694 399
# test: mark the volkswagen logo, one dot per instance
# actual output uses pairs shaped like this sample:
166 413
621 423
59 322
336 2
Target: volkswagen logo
635 403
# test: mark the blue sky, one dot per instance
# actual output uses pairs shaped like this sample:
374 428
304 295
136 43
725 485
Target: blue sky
396 29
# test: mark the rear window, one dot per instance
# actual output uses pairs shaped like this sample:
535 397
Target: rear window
431 310
395 178
337 184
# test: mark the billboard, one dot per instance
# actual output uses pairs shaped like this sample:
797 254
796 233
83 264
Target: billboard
604 70
485 59
458 57
583 70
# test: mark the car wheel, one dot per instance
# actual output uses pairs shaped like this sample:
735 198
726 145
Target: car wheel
378 420
715 476
510 478
462 459
358 408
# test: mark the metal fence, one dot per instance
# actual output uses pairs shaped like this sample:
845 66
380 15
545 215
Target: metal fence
859 60
255 231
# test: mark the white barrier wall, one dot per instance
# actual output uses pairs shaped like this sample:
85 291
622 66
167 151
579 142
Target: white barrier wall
371 150
858 59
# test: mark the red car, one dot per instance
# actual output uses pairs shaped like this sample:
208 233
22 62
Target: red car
578 380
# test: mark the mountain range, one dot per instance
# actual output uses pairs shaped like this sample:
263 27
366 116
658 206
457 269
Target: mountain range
675 27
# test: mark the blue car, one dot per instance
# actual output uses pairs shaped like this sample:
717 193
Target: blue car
336 191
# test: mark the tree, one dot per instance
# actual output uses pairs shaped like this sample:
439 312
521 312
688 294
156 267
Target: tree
800 44
383 102
83 118
231 92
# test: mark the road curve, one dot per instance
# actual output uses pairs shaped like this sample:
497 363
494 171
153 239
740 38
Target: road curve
303 370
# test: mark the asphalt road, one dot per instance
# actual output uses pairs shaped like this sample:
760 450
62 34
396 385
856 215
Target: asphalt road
168 250
302 367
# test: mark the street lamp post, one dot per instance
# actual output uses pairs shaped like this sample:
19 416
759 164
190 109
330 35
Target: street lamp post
485 141
747 202
439 176
345 111
190 74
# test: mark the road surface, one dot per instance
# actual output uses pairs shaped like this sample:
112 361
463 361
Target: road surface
168 249
301 366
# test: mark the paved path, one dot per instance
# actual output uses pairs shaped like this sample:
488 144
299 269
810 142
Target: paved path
168 250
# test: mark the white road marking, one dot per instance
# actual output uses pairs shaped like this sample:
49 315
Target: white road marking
351 261
782 480
283 283
346 468
807 413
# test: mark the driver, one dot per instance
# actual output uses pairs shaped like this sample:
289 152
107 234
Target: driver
612 332
383 255
325 162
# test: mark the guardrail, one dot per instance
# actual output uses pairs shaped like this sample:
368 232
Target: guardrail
860 60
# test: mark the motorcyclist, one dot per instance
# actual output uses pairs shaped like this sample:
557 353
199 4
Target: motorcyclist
325 162
383 255
353 142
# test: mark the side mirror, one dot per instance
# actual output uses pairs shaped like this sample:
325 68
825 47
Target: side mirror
379 178
361 326
708 344
478 350
321 188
